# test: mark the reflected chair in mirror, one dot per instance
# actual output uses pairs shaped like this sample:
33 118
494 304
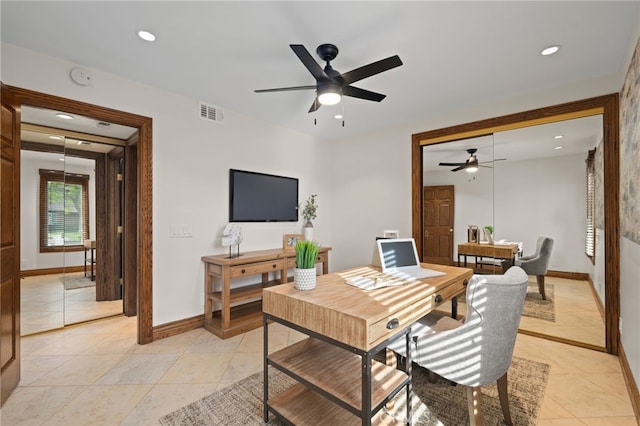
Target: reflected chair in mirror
538 263
479 350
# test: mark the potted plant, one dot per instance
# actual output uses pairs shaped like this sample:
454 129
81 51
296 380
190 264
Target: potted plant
304 275
309 213
488 234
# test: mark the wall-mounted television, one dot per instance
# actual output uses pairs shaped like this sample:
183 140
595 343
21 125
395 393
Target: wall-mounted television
260 197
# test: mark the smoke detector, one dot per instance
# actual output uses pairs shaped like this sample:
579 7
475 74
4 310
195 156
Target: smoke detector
80 76
103 124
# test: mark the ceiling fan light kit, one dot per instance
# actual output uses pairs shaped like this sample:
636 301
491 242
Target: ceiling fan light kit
471 165
331 85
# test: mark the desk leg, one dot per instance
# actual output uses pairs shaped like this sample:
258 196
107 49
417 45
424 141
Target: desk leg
208 303
325 267
225 313
265 377
454 307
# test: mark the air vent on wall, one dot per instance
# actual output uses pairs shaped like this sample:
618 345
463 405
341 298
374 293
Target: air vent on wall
210 112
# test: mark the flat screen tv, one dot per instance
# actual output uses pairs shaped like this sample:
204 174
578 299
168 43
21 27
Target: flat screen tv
260 197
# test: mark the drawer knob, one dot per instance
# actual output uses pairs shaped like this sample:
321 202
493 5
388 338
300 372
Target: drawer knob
465 282
243 271
393 323
273 266
438 298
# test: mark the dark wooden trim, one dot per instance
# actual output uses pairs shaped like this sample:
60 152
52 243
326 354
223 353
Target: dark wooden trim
581 276
177 327
596 297
606 105
51 271
130 289
632 386
145 202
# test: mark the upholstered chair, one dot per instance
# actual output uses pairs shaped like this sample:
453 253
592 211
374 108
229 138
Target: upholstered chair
478 351
538 263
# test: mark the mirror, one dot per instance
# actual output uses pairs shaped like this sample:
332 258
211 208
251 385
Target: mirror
530 182
61 284
605 272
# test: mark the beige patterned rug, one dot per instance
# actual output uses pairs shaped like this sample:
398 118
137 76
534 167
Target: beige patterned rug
535 307
433 403
76 281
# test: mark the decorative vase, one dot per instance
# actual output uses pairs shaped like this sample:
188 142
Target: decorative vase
304 279
308 231
488 236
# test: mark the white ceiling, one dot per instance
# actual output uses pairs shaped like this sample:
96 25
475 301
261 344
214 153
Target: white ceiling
456 54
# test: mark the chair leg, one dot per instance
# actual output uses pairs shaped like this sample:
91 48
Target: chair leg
540 279
504 399
473 401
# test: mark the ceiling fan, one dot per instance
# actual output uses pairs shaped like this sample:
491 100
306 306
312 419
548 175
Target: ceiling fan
472 164
331 85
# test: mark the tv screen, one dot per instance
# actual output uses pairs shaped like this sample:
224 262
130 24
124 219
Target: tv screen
260 197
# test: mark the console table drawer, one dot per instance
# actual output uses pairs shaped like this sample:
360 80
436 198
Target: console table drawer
322 257
256 268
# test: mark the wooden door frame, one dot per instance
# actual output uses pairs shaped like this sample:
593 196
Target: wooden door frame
608 107
144 250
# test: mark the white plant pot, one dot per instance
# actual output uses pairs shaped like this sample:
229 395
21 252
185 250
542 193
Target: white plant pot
304 279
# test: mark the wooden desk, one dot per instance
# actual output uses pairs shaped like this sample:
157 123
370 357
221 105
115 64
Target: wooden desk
343 322
246 314
495 251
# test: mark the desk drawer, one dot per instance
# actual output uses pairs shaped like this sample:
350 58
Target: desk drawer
256 268
451 291
385 328
322 257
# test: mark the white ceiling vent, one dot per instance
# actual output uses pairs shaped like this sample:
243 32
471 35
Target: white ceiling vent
103 124
210 112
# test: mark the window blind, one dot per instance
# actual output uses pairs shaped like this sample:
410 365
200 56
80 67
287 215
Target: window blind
590 206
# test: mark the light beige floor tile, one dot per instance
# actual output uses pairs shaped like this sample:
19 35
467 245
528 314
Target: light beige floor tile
34 367
79 370
208 342
68 344
113 344
31 406
242 365
171 345
163 399
100 405
611 421
198 368
561 422
139 369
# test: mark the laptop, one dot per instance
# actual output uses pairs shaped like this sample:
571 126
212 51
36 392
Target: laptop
399 257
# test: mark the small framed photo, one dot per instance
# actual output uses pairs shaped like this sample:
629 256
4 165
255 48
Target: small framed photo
289 241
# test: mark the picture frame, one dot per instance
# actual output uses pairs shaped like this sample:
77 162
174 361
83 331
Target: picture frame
289 241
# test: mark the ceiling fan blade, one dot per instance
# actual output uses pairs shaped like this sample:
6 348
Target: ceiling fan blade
451 164
491 161
315 105
356 92
371 69
459 168
303 54
285 89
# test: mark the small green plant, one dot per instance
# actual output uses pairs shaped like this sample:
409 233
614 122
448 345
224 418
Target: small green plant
310 210
306 254
489 228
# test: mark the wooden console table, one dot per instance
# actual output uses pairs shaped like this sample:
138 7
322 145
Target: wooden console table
495 251
338 380
246 313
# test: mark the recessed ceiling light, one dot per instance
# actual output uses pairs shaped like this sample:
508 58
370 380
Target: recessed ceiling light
146 35
550 50
558 137
337 116
61 159
58 138
558 147
64 116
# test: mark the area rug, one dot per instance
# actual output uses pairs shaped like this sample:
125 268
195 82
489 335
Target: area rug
433 404
536 307
76 281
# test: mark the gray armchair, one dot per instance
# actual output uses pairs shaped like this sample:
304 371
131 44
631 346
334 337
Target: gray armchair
478 351
538 263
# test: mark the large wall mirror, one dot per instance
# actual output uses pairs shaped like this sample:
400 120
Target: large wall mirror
527 186
67 208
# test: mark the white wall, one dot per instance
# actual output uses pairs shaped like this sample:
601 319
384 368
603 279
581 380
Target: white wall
30 164
191 162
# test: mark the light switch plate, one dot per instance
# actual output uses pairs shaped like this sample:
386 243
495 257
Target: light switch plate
181 231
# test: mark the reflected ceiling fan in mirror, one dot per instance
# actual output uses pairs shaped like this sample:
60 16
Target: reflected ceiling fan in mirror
471 164
331 85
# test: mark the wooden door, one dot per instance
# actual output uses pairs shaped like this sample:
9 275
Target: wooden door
438 208
10 245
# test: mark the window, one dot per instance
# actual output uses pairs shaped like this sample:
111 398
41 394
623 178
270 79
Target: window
591 189
64 211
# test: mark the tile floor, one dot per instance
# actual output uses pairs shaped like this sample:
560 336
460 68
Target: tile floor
96 374
45 305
